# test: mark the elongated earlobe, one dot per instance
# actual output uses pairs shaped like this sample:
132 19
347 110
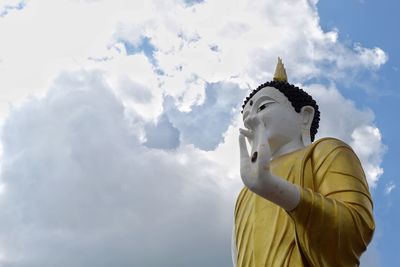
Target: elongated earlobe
305 137
307 116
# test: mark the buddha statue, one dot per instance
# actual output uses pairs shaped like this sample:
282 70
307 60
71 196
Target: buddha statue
304 202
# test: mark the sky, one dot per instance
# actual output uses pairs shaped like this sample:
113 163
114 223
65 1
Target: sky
119 120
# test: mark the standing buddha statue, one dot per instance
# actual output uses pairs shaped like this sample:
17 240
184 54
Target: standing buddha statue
305 202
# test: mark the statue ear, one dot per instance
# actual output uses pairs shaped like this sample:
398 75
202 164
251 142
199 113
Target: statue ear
307 116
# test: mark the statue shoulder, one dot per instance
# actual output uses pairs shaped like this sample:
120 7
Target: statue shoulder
323 147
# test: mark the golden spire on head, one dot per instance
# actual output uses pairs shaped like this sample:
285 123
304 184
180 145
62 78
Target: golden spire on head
280 72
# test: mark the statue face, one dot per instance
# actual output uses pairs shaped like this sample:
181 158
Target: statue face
275 114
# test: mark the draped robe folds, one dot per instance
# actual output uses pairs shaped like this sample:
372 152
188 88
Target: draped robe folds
332 224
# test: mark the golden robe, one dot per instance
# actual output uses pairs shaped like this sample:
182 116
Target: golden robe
331 226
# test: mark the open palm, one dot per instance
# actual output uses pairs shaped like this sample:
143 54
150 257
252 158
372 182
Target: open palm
254 168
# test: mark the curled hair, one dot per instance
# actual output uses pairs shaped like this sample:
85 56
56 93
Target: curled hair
296 96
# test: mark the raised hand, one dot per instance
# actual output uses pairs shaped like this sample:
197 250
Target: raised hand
255 171
254 168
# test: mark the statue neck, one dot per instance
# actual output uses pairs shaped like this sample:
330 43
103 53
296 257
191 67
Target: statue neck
293 145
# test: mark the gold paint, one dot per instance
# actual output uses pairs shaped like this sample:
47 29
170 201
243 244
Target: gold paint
331 226
280 72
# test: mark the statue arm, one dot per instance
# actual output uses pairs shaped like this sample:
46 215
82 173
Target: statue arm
279 191
334 223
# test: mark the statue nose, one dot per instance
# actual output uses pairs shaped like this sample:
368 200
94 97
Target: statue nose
250 122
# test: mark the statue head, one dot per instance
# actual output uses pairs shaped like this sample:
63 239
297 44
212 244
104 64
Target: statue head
286 111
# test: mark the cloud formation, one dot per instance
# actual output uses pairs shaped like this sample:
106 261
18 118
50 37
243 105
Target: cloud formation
80 189
190 45
7 6
204 125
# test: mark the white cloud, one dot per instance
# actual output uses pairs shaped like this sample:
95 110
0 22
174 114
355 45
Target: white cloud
47 37
389 187
82 191
374 57
7 6
367 142
204 125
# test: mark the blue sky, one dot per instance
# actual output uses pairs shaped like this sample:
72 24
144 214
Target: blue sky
119 120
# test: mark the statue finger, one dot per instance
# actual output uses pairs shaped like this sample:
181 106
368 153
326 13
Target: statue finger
248 133
264 156
244 153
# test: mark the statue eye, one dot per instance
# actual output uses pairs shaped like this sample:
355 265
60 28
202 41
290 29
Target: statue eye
263 106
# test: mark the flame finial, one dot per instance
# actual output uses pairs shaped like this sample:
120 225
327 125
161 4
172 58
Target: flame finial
280 72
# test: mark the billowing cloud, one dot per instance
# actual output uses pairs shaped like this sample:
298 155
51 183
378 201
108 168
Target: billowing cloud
162 134
7 6
205 124
80 189
187 46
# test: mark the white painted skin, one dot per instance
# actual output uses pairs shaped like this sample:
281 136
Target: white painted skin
273 128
